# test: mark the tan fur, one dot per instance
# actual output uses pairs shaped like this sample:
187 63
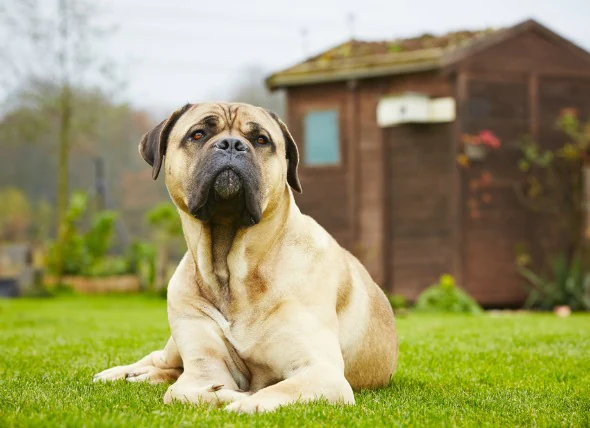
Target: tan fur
279 309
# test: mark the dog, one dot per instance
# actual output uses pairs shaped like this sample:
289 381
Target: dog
265 309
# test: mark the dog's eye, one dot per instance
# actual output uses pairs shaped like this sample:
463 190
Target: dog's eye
262 139
197 135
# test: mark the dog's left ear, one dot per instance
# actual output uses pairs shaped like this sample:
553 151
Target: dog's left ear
152 146
292 155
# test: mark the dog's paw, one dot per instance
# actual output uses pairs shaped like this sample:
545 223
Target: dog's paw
112 374
153 375
209 394
254 404
138 374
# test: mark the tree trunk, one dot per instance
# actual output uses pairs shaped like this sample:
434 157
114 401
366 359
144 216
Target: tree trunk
63 184
586 199
65 121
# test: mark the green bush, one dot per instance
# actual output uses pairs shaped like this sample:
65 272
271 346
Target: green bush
398 301
446 296
99 237
70 257
85 253
141 260
567 284
164 217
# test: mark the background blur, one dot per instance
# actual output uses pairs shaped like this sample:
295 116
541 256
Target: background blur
81 81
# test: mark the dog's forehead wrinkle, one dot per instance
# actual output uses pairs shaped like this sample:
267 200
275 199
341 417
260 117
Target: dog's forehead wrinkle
233 116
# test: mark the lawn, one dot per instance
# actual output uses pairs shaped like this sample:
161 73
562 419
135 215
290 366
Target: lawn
454 370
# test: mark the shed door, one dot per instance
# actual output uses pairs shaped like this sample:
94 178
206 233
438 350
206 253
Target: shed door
494 221
418 188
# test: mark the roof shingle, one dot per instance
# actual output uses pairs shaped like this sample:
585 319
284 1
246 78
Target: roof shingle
355 58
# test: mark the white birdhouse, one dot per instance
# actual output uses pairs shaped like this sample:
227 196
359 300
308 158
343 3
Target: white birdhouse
414 108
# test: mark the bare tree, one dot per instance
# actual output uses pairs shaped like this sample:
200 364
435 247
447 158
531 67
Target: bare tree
51 44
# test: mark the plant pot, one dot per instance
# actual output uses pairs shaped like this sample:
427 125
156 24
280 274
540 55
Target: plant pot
101 284
476 152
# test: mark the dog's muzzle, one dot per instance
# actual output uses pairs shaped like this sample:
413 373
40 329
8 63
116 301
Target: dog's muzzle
227 185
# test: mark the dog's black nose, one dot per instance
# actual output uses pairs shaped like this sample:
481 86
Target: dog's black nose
231 144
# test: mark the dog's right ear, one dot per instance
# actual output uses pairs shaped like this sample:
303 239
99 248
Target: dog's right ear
152 146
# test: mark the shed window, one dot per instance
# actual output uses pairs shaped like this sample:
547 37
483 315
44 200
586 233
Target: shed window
322 145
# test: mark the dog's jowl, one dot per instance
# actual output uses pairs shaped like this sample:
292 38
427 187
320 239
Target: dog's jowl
265 308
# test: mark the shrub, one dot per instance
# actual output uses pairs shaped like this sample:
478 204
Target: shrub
398 301
167 229
99 236
70 256
85 253
446 296
164 218
141 260
568 283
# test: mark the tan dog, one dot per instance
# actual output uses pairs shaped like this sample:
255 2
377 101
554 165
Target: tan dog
265 308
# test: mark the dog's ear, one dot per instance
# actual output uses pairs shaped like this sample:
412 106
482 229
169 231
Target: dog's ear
152 146
292 155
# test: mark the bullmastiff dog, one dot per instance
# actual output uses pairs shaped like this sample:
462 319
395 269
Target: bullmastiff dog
265 309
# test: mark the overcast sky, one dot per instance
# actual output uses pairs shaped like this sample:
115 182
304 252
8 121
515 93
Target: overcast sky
175 51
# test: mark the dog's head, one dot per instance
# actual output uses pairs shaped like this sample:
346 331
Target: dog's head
223 161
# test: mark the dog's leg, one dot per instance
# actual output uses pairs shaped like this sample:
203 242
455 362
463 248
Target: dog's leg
210 374
309 357
159 366
310 383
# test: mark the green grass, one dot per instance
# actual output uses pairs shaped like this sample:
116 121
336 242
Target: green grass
453 370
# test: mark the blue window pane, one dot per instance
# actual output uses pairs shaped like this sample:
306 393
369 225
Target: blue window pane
321 138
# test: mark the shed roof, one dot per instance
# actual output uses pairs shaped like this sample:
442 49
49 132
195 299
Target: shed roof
356 59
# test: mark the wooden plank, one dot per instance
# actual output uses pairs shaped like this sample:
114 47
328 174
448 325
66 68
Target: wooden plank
569 74
418 196
456 205
353 164
534 105
494 76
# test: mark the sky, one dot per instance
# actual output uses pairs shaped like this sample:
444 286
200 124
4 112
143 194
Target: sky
172 52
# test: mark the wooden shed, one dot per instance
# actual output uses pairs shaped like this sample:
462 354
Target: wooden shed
391 191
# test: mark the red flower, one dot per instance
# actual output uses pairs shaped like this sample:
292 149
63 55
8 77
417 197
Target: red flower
489 139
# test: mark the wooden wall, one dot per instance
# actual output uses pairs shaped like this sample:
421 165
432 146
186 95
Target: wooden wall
326 196
516 88
493 220
418 181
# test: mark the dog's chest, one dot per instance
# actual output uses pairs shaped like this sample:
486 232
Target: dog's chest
250 336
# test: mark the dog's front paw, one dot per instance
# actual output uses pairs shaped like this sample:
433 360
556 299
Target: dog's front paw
254 404
153 375
209 394
114 373
138 374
